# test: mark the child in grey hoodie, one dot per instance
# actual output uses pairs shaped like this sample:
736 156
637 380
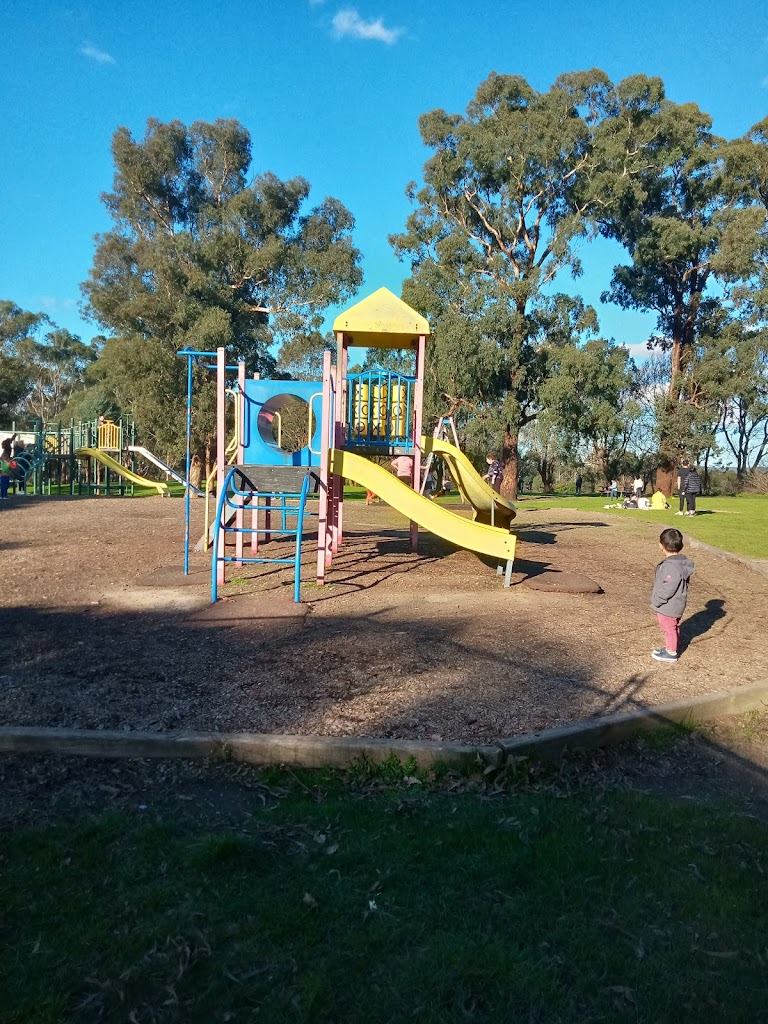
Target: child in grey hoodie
670 592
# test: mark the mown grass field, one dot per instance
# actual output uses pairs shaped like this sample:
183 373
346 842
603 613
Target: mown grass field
335 903
737 524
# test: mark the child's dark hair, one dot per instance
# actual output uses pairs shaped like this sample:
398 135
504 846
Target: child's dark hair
671 540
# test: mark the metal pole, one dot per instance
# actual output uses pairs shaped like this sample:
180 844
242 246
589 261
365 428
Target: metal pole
187 491
221 438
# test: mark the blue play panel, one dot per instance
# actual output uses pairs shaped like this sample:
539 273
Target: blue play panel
267 438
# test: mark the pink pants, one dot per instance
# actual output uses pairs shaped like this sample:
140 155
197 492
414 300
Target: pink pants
671 629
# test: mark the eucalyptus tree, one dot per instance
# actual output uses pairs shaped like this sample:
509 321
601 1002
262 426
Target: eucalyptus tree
16 325
591 395
41 365
733 370
496 224
56 369
662 192
201 256
742 263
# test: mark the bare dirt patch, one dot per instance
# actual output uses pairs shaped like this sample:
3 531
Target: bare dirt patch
102 630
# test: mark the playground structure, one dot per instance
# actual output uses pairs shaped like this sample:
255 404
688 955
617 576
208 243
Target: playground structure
348 419
83 458
96 456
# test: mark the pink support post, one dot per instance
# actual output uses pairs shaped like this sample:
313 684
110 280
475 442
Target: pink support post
341 437
418 418
240 427
255 497
332 478
326 430
221 443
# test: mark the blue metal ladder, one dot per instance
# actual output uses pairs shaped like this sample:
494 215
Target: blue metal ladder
239 493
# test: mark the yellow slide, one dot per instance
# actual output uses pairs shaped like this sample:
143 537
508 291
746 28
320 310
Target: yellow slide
485 540
488 505
116 467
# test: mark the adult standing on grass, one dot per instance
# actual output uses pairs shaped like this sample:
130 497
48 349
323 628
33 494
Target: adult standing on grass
682 473
638 486
579 482
691 488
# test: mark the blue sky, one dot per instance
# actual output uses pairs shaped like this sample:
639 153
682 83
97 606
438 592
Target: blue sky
329 90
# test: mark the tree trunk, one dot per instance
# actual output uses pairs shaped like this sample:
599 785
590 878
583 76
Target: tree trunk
510 458
705 481
195 470
666 477
547 473
666 473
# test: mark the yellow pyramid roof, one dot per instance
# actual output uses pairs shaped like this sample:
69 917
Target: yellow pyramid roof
381 321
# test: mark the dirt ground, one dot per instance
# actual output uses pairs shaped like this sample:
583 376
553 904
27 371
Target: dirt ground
101 629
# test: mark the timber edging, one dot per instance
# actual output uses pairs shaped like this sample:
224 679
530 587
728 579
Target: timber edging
340 751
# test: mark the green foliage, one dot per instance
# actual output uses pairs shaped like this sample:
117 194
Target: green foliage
732 372
56 369
502 206
683 203
510 189
301 355
199 257
14 384
42 366
590 396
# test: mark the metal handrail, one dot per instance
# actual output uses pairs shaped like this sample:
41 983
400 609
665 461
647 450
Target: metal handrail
257 506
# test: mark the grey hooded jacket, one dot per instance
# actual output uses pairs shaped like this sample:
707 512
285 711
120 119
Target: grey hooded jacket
670 589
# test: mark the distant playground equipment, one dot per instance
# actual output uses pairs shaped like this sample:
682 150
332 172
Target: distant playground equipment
335 426
92 457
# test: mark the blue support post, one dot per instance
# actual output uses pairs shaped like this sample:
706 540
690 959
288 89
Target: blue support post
188 465
258 502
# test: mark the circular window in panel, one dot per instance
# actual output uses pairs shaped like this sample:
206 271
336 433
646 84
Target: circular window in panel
287 423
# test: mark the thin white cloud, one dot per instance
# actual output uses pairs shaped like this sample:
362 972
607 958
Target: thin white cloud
638 350
93 53
349 23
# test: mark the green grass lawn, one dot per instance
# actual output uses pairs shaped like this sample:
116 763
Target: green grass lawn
334 903
737 524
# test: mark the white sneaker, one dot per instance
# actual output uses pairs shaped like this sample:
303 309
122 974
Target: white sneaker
679 513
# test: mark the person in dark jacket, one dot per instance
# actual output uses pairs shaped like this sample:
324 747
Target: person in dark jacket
670 592
691 489
682 475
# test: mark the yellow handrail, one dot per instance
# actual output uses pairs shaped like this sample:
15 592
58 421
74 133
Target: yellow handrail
310 432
